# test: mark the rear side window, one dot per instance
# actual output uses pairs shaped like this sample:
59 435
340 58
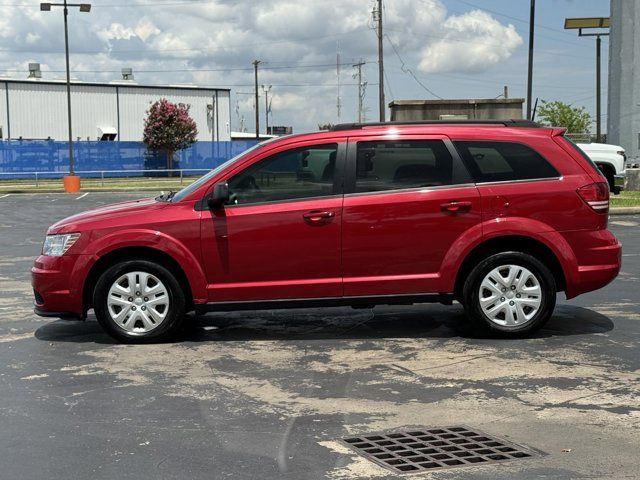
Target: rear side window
503 161
583 154
398 165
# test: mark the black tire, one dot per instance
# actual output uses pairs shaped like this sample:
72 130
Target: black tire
481 323
174 316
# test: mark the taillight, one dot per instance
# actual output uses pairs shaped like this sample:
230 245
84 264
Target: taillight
596 195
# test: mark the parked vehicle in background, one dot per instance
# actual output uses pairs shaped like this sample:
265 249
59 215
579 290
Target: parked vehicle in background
611 159
497 215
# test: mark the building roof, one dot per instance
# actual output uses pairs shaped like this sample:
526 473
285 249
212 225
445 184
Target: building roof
457 101
115 83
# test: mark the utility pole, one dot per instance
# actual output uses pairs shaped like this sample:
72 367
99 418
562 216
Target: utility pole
266 89
255 74
377 17
361 87
532 16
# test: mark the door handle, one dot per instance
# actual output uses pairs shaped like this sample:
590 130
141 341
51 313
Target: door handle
455 207
316 216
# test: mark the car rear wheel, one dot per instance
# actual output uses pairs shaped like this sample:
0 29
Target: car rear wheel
510 294
138 301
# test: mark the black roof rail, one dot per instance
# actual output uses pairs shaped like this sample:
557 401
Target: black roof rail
506 123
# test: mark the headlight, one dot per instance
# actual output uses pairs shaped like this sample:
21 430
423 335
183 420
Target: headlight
57 245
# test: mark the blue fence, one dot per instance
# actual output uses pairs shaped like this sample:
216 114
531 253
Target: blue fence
22 156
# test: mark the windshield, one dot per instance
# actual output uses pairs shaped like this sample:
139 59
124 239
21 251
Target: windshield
181 194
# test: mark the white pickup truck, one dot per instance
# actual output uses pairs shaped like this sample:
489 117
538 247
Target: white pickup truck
611 160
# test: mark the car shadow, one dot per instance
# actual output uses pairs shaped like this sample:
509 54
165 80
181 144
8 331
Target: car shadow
418 321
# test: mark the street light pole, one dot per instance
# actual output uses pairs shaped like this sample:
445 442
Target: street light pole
255 77
598 92
84 7
66 53
266 89
532 17
598 26
381 105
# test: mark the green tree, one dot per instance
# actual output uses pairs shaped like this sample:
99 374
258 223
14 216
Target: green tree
560 114
169 128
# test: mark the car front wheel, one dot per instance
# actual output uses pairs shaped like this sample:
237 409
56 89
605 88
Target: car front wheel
138 301
510 294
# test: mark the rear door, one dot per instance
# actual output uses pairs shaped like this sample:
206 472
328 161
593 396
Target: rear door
406 202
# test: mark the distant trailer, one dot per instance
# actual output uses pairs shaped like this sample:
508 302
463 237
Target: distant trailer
457 109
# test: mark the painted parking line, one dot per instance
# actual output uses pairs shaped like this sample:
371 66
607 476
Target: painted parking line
82 196
6 195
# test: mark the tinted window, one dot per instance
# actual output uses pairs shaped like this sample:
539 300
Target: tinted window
582 153
504 161
395 165
206 177
298 173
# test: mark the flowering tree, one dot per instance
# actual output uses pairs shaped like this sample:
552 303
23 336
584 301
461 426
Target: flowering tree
169 128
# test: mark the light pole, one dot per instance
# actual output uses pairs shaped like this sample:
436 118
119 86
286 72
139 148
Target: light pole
255 78
600 23
84 7
377 17
532 19
266 89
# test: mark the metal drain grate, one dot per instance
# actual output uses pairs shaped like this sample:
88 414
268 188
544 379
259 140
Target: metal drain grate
419 450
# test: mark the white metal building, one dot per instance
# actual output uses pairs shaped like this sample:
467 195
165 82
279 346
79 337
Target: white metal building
37 109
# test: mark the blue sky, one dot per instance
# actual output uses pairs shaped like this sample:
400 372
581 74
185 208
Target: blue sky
455 48
564 64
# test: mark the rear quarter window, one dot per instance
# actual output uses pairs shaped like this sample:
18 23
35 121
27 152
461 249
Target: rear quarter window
503 161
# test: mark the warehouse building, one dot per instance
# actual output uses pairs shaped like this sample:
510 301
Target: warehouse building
36 109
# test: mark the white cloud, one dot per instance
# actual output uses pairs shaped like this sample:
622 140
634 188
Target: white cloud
472 42
188 43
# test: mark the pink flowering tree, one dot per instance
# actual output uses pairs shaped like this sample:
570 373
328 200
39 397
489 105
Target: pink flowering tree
169 128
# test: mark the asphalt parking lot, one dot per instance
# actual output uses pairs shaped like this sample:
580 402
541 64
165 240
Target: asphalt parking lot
266 394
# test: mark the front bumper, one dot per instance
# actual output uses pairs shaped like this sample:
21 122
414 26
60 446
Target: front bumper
53 281
618 182
63 315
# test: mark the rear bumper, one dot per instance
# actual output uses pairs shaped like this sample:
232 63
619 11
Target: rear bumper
599 257
51 278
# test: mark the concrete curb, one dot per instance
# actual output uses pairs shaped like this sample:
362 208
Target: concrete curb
624 211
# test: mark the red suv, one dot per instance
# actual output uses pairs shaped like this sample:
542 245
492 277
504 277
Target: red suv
496 215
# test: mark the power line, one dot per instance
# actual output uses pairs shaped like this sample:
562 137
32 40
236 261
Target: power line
406 69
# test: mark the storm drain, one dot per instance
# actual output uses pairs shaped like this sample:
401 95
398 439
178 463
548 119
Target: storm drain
420 450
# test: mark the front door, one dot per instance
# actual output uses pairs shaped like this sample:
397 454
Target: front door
279 236
406 202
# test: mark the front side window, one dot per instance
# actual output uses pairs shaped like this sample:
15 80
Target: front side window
303 172
503 161
398 165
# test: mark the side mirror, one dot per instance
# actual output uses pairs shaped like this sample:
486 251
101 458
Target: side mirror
220 195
